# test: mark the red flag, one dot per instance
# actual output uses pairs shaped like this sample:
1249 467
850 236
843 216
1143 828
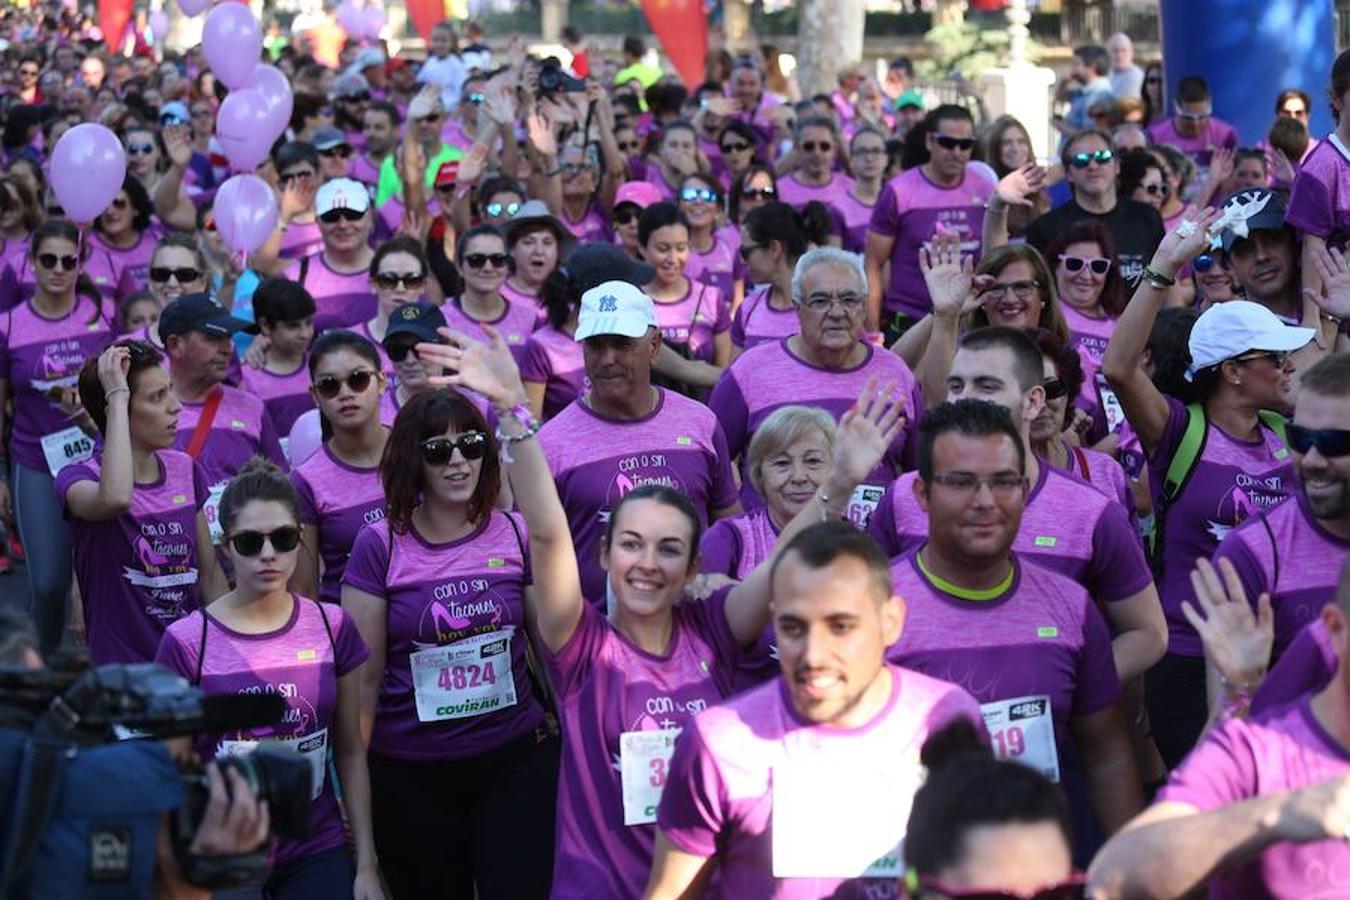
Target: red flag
113 18
682 28
426 14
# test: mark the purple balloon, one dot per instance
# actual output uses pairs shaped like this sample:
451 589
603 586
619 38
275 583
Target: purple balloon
246 212
193 7
88 168
276 90
244 128
350 17
374 21
231 43
159 25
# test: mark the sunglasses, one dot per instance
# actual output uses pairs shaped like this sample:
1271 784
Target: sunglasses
392 280
399 350
31 73
822 146
429 117
121 203
1206 261
1097 265
626 213
1276 357
736 147
161 274
140 149
1153 79
50 261
1054 388
343 214
634 146
360 97
496 210
697 195
479 260
477 99
1083 160
1070 889
1193 117
250 543
328 386
341 151
947 142
1330 442
288 177
759 193
438 450
1157 190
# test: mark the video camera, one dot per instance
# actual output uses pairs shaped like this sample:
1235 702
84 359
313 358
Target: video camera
71 707
553 80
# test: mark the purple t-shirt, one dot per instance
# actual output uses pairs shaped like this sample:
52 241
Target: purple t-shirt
340 500
797 194
1283 749
1090 337
1232 481
301 239
40 355
1042 637
756 322
717 267
554 359
1217 133
856 217
341 299
301 662
16 274
695 320
131 265
364 170
734 547
741 782
607 687
1305 668
1096 546
596 460
455 678
1102 472
285 397
591 227
1320 202
515 324
770 376
1286 553
138 572
911 209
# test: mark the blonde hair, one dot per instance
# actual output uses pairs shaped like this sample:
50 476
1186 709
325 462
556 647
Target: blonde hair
783 428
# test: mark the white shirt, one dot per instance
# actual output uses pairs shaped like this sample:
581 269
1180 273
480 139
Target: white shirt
448 73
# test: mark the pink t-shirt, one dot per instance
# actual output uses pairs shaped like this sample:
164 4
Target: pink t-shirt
756 322
14 272
554 359
717 267
285 396
530 301
341 299
301 239
365 170
741 782
339 500
1102 472
592 227
695 320
1306 666
1090 337
132 264
734 547
857 216
386 364
797 194
516 323
1217 133
240 431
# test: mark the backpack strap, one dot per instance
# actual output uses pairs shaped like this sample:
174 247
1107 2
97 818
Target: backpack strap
323 614
201 651
1179 469
1079 455
304 269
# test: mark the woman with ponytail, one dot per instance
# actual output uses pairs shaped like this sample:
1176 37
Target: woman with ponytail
773 238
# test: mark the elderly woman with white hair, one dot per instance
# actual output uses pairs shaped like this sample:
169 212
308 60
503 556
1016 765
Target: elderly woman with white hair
824 365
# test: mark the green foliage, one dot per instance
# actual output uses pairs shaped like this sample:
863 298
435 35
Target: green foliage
969 48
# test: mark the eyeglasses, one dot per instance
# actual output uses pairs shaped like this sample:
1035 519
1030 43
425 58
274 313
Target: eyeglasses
1021 289
479 260
120 203
698 195
49 261
823 303
1194 117
429 117
814 146
1153 79
140 149
393 280
947 142
341 214
250 543
161 274
358 380
1330 442
869 151
1054 388
1073 264
203 112
497 210
438 450
1083 160
736 147
1069 889
1206 261
1004 485
767 193
359 97
341 151
288 177
1276 357
626 213
746 249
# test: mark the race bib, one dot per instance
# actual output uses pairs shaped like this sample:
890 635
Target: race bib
1111 408
211 510
1023 730
466 678
864 502
313 747
644 761
63 448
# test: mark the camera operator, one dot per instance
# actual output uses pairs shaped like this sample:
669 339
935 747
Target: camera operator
106 831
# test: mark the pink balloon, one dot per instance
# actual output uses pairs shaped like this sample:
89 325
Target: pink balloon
244 128
231 43
246 212
374 21
159 24
350 17
193 7
88 168
276 90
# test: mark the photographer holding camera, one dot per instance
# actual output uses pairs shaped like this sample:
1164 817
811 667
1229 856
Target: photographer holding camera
109 820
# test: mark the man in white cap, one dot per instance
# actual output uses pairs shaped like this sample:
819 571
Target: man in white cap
338 276
624 432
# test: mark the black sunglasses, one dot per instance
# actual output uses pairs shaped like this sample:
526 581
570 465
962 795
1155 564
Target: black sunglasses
947 142
822 146
759 193
359 97
343 214
478 260
626 213
50 261
1330 442
746 249
1083 160
250 543
392 280
1054 388
341 151
1206 261
399 350
329 386
161 274
736 147
438 450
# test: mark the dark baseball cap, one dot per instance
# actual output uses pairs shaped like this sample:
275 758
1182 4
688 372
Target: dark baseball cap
594 264
198 312
1252 209
417 319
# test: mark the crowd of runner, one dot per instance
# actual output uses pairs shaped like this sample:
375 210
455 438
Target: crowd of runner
634 490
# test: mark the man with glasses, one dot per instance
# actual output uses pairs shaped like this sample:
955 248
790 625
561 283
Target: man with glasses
817 151
335 153
1193 128
338 276
1025 641
943 194
351 93
826 364
425 118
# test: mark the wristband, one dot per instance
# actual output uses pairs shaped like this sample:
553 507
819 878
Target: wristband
119 390
521 413
1157 279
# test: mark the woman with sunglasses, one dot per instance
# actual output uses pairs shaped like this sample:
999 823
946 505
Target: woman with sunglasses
338 486
1155 106
263 638
127 234
738 146
448 706
44 342
773 238
145 155
398 274
338 276
712 250
19 216
483 259
1178 169
143 555
1241 468
1143 178
1213 280
754 187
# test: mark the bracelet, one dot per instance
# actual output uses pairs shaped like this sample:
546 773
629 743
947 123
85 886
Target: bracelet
521 413
107 394
1157 279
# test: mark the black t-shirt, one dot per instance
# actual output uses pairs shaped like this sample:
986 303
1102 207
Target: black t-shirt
1137 228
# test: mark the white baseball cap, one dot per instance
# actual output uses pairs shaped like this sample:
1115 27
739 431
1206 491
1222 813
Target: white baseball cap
615 307
1230 329
342 193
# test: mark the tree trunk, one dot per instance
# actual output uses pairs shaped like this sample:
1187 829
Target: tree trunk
552 19
829 41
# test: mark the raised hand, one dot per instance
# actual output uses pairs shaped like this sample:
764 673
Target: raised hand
542 136
1316 813
1185 242
297 197
1019 186
113 364
1237 641
499 105
1282 170
1335 274
866 433
950 276
1221 165
487 368
178 143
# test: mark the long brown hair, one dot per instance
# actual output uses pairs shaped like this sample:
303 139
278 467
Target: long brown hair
428 415
1000 258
